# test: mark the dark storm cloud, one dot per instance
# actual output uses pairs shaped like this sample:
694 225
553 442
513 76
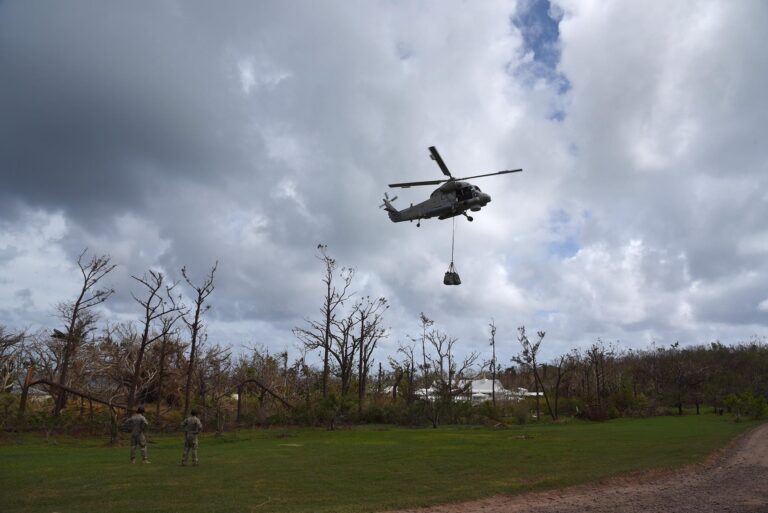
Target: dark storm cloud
102 103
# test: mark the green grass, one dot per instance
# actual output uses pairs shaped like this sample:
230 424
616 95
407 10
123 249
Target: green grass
302 470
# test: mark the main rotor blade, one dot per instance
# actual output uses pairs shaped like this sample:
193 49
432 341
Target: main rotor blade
405 185
492 174
436 157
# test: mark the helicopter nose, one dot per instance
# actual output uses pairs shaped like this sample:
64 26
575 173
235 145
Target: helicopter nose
486 198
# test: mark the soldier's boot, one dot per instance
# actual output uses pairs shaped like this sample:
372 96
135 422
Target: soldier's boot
133 462
146 461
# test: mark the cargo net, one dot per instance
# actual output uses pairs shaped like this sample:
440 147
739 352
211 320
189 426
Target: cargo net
451 275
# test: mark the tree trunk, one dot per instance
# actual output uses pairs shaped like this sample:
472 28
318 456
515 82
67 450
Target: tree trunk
25 392
61 399
538 403
361 368
113 431
239 402
191 366
161 371
325 352
137 370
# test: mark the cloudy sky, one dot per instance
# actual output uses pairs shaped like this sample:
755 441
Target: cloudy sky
180 133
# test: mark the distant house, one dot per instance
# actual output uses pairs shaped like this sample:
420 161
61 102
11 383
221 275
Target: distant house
477 391
481 390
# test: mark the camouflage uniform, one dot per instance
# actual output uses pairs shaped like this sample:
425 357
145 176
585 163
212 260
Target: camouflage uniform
138 424
191 426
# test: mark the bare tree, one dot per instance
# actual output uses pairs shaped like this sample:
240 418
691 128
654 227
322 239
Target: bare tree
156 307
447 370
425 322
214 375
11 349
334 298
343 349
564 367
195 326
79 315
169 338
599 357
408 365
320 334
370 314
447 374
112 360
528 358
492 326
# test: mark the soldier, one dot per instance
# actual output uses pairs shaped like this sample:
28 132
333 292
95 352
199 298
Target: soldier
191 426
138 424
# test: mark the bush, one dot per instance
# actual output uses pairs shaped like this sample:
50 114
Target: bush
747 405
9 406
570 406
521 412
596 412
623 401
487 411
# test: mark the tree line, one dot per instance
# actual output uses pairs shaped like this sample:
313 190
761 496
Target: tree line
165 361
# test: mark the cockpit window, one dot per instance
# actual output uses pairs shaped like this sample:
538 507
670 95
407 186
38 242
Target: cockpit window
464 193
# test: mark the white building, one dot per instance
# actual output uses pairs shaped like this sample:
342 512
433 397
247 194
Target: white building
478 391
481 390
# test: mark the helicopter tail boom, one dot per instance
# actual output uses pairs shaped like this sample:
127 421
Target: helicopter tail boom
393 213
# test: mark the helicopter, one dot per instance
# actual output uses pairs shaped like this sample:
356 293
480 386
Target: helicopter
451 199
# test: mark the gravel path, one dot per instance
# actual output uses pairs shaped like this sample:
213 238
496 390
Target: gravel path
735 480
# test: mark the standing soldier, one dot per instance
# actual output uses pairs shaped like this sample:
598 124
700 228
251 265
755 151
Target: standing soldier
138 424
191 426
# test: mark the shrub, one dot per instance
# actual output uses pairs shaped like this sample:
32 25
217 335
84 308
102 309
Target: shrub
487 411
9 405
596 412
747 405
521 412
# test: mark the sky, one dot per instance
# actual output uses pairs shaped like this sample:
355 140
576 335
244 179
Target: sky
170 134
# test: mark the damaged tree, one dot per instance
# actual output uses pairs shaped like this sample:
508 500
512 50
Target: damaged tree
196 325
319 334
79 317
370 314
157 307
528 358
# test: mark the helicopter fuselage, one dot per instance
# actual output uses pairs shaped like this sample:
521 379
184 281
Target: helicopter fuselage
450 199
454 197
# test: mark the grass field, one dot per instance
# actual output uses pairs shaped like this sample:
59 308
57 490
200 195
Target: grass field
364 469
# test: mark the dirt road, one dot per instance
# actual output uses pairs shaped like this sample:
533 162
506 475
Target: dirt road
734 481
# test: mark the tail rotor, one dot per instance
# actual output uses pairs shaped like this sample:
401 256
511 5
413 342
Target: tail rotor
387 203
394 214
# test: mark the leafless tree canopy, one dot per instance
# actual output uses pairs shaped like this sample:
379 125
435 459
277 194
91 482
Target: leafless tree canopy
79 316
166 359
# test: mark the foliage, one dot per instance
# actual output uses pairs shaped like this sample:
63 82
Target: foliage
9 404
747 405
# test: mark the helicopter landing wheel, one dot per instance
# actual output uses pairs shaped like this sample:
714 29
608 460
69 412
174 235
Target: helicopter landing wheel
469 218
